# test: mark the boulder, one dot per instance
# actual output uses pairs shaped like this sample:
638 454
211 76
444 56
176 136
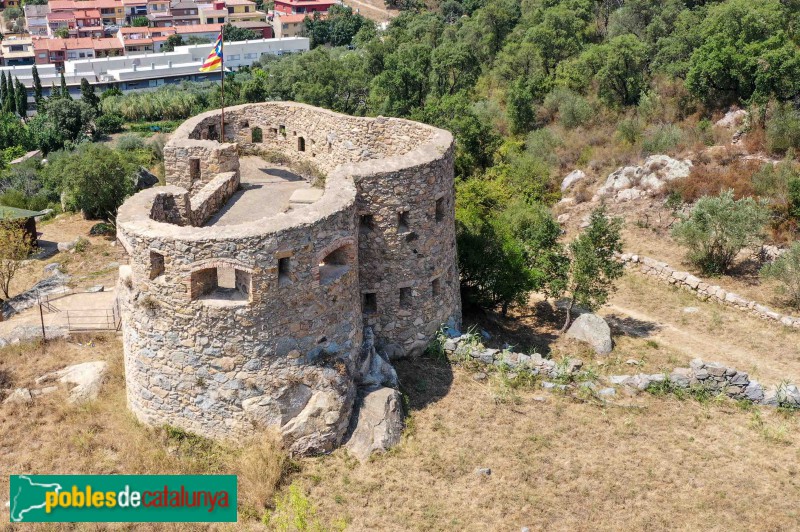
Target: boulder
732 119
650 176
145 179
572 178
19 396
67 246
377 422
593 330
87 379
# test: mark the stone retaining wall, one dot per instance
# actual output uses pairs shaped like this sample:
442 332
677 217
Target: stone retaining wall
711 377
703 289
213 196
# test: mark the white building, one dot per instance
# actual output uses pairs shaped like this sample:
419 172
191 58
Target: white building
153 70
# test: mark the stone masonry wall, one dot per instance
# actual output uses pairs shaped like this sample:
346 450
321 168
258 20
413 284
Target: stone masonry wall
704 290
282 347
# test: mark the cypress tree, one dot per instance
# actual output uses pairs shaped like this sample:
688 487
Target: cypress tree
88 96
54 92
64 89
3 89
22 99
37 87
9 102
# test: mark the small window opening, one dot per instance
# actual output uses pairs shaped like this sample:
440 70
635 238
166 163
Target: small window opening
282 130
212 133
284 273
405 297
224 283
301 144
436 287
244 124
370 303
367 222
334 265
194 168
256 135
440 209
402 222
156 264
273 131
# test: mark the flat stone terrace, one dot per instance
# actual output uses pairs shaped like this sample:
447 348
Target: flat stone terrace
266 189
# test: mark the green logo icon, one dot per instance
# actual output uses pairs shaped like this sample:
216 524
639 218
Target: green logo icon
123 498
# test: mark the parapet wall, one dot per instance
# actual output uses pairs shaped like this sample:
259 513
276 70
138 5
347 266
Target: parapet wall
232 327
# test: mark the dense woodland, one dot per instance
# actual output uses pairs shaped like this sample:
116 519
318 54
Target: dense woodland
531 89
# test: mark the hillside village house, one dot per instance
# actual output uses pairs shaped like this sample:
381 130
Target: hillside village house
17 51
36 19
294 7
184 13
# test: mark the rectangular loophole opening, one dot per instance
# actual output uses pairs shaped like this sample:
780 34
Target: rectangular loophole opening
440 209
366 222
405 297
282 130
369 302
156 264
273 131
436 287
284 272
256 135
194 168
402 222
301 144
221 284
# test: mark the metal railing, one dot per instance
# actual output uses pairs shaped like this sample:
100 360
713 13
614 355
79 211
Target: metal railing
93 320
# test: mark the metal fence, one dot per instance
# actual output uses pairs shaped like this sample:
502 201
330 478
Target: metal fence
93 320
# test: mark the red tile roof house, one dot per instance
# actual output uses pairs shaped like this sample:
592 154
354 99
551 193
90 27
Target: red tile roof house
291 7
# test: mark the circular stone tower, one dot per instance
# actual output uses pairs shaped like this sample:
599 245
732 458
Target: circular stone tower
253 274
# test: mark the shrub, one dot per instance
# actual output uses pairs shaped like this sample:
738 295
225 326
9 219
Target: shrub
108 124
662 138
710 178
573 109
541 144
783 129
786 270
629 130
718 228
130 142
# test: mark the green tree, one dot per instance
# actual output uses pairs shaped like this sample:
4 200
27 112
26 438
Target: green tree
747 53
233 33
21 98
337 28
504 254
718 228
519 106
404 83
37 87
62 33
561 33
140 22
621 77
786 270
88 96
15 246
593 266
63 121
64 93
95 178
171 42
454 68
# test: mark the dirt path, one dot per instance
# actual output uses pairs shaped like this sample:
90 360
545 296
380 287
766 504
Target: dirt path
769 351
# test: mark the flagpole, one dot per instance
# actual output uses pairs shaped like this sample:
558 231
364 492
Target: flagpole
222 83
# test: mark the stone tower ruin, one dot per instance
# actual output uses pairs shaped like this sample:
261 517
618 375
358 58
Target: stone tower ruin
248 298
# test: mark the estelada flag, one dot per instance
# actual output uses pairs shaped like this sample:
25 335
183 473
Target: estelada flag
214 59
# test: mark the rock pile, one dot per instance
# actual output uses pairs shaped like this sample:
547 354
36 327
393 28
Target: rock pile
704 290
632 182
83 381
464 347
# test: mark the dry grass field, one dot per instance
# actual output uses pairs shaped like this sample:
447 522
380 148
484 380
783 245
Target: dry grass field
558 462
